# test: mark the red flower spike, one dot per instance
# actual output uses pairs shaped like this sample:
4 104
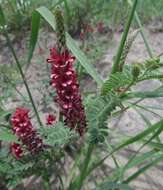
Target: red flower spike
16 150
64 80
50 119
22 127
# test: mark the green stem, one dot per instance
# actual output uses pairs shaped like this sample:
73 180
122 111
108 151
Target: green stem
46 184
113 157
115 67
142 32
143 35
22 75
13 85
143 169
132 158
84 168
67 10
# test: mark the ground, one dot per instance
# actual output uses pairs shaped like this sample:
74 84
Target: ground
130 123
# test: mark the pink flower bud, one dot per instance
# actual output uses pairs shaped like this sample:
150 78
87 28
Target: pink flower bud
50 119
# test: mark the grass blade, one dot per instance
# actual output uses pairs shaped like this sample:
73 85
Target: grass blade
142 31
112 185
35 26
140 159
130 141
83 59
148 94
6 136
155 135
155 145
47 15
143 169
34 34
2 18
123 40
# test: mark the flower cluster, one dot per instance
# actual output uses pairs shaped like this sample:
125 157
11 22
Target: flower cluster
50 119
64 80
22 127
17 150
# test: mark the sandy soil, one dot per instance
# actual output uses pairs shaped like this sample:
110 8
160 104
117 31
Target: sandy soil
129 123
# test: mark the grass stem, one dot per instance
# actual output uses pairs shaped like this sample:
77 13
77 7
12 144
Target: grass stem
142 31
22 75
85 167
115 67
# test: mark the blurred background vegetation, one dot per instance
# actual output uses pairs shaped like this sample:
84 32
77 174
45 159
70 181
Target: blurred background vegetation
92 22
111 13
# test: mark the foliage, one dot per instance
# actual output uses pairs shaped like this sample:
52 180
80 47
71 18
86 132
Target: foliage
58 135
78 13
98 110
18 13
117 81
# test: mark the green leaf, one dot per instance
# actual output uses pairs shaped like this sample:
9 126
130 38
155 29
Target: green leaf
144 118
116 81
157 146
34 34
4 167
4 114
2 17
142 31
130 141
147 94
113 186
144 168
47 15
57 135
136 162
151 76
142 158
5 135
35 25
83 59
141 135
98 110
